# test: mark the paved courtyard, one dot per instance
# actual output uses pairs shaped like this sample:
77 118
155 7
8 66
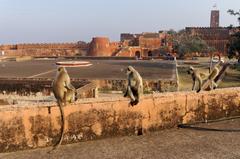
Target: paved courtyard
100 69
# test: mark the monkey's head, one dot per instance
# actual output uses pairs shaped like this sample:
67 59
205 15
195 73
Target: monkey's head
129 70
190 70
221 62
61 69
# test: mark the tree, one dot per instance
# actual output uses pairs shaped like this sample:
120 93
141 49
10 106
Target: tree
232 12
184 43
171 32
234 43
234 46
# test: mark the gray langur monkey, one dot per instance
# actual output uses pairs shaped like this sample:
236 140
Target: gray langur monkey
134 86
197 76
213 74
64 93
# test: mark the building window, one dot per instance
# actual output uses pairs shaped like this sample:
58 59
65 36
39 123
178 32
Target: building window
138 54
150 54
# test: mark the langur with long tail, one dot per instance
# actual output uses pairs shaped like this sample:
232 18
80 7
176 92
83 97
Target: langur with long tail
64 93
134 87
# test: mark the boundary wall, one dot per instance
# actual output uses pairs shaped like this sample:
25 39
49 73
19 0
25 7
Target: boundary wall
38 125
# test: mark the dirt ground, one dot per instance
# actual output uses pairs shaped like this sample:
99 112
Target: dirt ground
167 144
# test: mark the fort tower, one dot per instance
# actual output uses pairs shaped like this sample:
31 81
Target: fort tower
214 23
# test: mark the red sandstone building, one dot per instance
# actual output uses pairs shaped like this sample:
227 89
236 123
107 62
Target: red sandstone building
131 45
215 36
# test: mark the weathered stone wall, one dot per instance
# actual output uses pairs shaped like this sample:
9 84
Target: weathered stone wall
27 86
31 86
149 85
24 127
44 49
42 52
88 91
41 46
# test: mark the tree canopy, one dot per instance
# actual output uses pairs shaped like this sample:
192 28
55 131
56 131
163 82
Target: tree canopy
184 43
232 12
234 43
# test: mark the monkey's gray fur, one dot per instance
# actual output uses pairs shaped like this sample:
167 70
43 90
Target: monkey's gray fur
64 92
134 86
213 74
197 76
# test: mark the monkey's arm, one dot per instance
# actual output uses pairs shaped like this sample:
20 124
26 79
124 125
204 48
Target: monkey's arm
126 92
129 91
194 84
131 83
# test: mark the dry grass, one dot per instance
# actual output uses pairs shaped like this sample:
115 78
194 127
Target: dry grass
231 79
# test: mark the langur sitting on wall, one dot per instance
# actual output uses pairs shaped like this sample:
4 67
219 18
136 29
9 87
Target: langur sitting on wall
64 92
134 87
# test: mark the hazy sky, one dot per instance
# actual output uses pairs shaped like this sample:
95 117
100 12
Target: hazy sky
73 20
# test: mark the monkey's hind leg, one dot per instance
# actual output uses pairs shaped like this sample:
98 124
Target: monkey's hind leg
200 85
213 85
134 102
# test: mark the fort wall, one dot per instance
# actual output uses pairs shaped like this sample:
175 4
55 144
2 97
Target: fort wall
44 49
28 126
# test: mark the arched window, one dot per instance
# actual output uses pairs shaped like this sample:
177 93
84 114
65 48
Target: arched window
138 54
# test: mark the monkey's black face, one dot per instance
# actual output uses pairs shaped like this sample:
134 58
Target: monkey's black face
190 71
60 69
128 71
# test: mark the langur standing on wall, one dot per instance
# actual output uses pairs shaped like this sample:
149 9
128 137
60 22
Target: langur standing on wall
197 76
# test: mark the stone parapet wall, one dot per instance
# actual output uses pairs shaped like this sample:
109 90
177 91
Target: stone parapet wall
41 46
31 86
42 52
28 86
44 49
149 85
25 127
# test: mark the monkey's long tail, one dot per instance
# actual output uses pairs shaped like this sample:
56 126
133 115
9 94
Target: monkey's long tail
192 125
62 128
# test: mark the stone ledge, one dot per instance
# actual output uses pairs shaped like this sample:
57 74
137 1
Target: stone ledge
25 127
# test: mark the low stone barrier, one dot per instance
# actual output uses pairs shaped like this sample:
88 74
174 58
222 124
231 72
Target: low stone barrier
32 126
160 85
